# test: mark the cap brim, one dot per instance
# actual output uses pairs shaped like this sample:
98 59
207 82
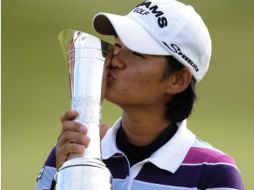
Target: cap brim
130 33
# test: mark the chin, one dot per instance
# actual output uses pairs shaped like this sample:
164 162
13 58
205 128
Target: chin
114 100
110 99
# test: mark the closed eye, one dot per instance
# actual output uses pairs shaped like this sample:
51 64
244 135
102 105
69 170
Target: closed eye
118 45
138 54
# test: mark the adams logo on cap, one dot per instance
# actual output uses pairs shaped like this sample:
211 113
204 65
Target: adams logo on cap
175 49
147 8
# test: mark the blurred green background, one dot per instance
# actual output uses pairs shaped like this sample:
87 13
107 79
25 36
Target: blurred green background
35 89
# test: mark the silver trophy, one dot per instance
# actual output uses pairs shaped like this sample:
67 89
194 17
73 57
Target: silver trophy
87 59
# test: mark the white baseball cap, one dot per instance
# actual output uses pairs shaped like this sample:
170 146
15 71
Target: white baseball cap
162 27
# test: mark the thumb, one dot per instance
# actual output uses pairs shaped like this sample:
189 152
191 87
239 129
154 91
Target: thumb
103 129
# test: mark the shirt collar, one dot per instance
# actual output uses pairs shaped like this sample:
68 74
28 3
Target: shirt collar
175 150
108 143
169 157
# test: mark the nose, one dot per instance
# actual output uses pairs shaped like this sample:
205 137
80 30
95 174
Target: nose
117 60
116 50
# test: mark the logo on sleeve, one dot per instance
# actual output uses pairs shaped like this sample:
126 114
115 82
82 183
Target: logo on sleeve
147 8
40 174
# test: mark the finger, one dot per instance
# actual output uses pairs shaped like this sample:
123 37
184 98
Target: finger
69 115
63 152
73 137
74 126
103 129
72 148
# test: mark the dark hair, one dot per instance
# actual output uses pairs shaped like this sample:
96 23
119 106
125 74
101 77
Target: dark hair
180 107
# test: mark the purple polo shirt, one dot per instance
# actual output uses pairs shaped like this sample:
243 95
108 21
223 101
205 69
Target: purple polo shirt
184 162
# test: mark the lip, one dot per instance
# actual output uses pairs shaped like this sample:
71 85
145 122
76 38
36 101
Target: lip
111 76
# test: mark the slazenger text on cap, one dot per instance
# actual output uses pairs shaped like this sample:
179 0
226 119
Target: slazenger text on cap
174 48
162 21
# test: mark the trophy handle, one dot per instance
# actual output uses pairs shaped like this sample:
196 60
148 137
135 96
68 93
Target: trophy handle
88 59
87 63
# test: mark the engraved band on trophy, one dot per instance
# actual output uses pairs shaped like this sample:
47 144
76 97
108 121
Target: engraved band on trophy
87 61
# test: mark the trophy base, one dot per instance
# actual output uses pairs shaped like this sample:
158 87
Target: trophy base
83 174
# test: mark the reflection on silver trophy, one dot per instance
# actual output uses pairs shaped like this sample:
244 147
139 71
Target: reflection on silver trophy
87 61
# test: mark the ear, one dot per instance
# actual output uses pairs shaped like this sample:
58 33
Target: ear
179 81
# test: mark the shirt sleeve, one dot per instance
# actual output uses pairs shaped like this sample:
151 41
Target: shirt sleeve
48 172
223 176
